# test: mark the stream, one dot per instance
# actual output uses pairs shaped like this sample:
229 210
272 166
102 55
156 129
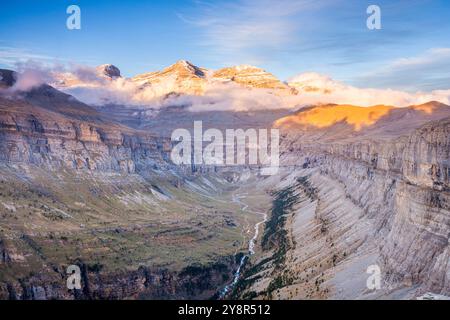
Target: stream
251 245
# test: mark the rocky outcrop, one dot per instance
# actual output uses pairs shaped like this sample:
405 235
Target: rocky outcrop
7 78
4 254
109 70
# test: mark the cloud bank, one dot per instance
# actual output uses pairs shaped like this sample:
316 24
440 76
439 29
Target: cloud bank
92 87
315 88
28 76
312 89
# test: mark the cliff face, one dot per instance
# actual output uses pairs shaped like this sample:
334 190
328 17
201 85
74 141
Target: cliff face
143 283
31 134
427 155
400 187
417 246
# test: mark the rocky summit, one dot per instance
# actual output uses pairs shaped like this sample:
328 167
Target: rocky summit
109 70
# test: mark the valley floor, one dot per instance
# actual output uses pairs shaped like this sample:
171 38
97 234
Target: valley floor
164 236
159 236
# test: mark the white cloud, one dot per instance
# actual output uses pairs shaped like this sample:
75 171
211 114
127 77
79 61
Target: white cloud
28 79
316 88
10 56
87 85
28 76
232 97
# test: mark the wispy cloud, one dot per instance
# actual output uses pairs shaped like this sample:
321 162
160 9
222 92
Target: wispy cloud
29 75
11 56
430 70
249 30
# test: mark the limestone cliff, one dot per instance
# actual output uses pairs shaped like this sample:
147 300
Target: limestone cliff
363 200
59 135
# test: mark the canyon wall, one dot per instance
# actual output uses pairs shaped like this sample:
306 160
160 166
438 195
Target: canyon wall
401 186
193 282
29 134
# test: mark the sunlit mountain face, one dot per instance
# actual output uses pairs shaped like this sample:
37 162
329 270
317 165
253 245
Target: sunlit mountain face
283 160
322 116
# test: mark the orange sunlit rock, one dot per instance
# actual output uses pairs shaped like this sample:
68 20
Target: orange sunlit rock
428 107
328 115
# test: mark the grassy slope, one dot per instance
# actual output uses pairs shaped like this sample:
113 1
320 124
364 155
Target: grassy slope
112 221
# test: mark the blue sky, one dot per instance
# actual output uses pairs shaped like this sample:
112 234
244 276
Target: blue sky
286 37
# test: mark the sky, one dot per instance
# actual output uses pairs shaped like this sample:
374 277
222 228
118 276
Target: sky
410 52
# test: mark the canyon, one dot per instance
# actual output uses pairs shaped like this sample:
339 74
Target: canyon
94 185
359 203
